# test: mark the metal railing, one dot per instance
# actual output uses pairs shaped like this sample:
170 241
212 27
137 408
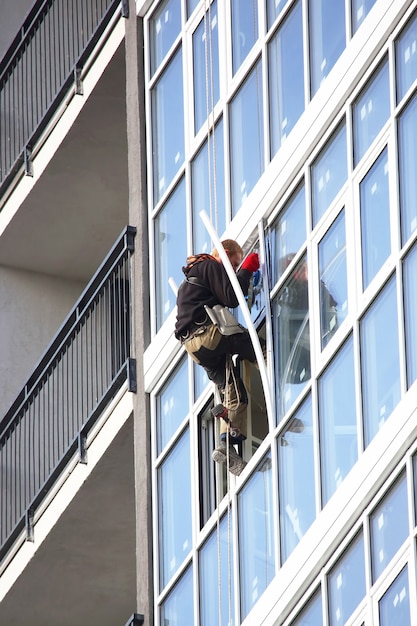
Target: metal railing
83 368
44 61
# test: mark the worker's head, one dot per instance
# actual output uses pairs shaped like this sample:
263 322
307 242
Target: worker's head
233 251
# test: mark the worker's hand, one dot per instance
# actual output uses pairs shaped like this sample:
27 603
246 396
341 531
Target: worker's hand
251 262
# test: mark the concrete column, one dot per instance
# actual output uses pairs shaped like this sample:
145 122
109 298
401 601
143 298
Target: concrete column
138 216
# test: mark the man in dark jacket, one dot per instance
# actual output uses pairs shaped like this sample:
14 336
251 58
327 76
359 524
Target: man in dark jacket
207 283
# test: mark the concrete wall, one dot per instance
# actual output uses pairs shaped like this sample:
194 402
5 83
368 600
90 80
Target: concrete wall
12 14
32 308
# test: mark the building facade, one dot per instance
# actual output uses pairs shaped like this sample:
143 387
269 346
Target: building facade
289 126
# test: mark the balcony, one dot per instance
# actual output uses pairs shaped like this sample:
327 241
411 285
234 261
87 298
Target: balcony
67 526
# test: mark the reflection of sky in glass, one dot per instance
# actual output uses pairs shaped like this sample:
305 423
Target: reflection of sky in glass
380 361
406 58
407 149
170 243
329 173
172 405
207 196
296 472
256 526
286 77
178 608
209 575
370 112
347 583
337 418
174 509
246 137
206 74
394 607
410 307
167 126
164 27
244 29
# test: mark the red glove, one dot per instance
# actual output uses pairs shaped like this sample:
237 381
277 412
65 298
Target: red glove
251 262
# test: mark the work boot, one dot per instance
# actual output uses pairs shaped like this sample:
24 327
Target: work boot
236 463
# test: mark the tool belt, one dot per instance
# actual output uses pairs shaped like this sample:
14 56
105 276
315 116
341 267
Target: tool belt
196 329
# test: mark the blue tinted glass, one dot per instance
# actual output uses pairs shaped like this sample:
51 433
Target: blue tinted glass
274 8
337 419
296 473
286 78
394 606
333 279
375 218
370 112
220 542
380 361
244 29
191 5
178 608
208 167
347 584
206 67
407 156
410 308
292 338
288 234
406 58
256 534
172 405
329 173
327 26
312 614
167 126
360 9
246 137
200 380
174 509
164 27
389 526
170 243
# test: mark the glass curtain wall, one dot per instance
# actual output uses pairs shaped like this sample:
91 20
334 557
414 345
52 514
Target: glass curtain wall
224 96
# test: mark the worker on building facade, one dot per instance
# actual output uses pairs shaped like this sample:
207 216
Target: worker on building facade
207 284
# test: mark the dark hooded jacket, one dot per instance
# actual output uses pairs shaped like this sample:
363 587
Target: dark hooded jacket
214 287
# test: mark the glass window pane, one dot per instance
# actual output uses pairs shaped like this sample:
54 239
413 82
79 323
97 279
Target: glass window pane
406 58
370 112
210 197
200 380
327 26
246 138
410 308
288 234
360 9
191 5
292 338
219 543
312 614
274 8
174 509
170 243
394 606
206 66
375 218
244 29
333 279
329 173
167 126
296 473
337 421
256 536
172 405
178 608
407 155
389 526
164 27
380 361
347 583
286 77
